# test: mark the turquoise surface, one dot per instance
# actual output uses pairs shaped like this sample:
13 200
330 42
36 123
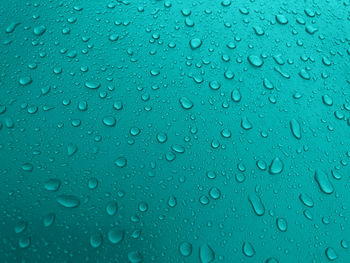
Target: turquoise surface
175 131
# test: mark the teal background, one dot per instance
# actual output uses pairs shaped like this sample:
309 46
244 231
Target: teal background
100 161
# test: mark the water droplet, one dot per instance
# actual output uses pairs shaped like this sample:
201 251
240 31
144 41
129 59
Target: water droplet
271 260
281 19
71 149
214 193
344 244
267 84
28 167
92 183
24 242
255 61
248 249
172 202
12 27
236 95
295 128
246 124
112 208
185 249
195 43
282 224
143 207
178 148
306 200
109 121
20 227
68 201
323 182
214 85
26 80
162 137
327 100
96 240
92 85
49 219
261 165
115 235
185 103
336 175
135 257
331 254
39 30
256 204
211 175
134 131
276 166
121 162
53 185
206 254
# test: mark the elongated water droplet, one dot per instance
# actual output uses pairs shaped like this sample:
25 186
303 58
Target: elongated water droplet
282 224
11 27
112 208
68 201
306 200
71 149
109 121
267 84
323 182
256 204
49 219
92 85
295 128
327 100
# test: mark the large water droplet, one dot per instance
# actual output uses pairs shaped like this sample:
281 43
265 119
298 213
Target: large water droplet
195 43
255 61
115 235
256 204
206 254
135 257
282 224
331 254
68 201
276 166
185 249
248 249
121 162
295 128
323 182
185 103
